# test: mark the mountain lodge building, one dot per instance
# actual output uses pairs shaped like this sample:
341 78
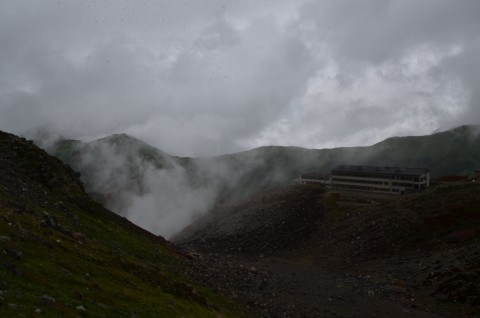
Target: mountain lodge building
393 180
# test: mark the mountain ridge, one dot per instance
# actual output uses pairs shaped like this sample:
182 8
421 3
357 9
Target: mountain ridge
122 137
121 171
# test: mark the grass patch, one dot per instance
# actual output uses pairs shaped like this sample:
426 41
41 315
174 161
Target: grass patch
92 258
336 210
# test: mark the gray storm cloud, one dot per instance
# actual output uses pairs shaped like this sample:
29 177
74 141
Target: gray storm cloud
211 77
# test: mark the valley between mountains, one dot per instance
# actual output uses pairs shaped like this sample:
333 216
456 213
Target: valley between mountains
246 243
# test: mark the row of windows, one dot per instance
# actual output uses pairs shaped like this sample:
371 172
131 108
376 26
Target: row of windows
313 177
312 182
364 188
395 184
402 184
376 176
360 181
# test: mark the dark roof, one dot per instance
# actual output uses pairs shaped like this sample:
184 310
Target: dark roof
380 170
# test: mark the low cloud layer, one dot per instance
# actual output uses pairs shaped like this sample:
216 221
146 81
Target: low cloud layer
158 192
202 78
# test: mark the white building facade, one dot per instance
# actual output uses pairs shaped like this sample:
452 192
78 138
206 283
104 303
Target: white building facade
314 177
393 180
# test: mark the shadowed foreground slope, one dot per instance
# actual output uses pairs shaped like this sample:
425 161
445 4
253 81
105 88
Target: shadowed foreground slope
63 255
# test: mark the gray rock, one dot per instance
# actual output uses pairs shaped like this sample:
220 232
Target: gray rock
49 221
81 308
48 300
67 272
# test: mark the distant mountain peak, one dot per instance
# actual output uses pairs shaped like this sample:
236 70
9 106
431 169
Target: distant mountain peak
119 138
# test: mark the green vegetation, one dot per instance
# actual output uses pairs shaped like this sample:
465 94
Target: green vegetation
336 211
65 256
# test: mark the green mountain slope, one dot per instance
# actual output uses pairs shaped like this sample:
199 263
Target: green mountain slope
455 151
63 255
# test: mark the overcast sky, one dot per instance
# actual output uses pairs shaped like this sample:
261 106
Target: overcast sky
206 77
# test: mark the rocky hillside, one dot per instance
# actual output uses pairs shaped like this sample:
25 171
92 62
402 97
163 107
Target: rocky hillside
428 243
63 255
420 251
271 221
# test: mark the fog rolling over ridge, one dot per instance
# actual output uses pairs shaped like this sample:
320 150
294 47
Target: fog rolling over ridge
164 193
158 192
137 181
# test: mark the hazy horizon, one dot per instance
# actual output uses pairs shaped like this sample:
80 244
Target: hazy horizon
216 77
48 141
